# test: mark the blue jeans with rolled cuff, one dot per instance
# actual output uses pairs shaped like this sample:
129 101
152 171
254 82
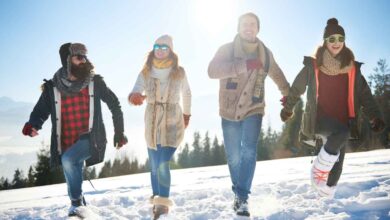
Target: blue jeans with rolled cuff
72 163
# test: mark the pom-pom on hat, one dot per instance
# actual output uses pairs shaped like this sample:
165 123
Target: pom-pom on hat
333 27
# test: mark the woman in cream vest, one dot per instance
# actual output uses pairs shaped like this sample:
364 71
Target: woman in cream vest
163 81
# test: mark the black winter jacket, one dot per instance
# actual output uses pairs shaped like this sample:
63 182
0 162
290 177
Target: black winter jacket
46 106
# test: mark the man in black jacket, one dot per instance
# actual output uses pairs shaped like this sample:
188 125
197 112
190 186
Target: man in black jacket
72 98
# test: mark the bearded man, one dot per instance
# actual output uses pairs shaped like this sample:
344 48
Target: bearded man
72 98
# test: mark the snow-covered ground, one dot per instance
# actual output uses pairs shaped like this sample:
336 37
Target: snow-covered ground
281 190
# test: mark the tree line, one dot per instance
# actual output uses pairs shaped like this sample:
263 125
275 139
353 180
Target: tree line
206 152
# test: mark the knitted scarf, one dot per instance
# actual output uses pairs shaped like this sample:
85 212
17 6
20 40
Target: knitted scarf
331 66
249 47
162 64
67 87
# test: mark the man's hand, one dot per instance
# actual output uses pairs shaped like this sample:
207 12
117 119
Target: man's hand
29 130
283 101
136 98
119 140
285 115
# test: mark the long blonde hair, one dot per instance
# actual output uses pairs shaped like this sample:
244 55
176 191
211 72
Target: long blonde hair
176 72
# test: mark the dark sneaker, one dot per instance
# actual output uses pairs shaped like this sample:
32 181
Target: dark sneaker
236 204
74 205
243 209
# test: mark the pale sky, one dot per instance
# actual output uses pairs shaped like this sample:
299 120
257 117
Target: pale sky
119 33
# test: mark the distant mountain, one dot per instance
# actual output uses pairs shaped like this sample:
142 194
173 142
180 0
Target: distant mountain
13 112
7 104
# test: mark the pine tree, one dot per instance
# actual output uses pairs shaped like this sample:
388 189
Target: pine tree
262 149
196 154
125 168
89 173
380 82
183 158
145 167
134 166
116 167
31 177
106 170
43 173
206 161
269 143
218 153
18 181
4 184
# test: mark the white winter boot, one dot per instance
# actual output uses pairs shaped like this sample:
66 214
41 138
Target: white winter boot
320 172
327 191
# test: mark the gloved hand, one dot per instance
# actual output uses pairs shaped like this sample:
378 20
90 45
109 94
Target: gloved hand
29 130
120 139
136 98
285 115
283 101
186 120
377 125
252 64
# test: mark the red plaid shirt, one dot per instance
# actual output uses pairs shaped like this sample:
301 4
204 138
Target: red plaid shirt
74 117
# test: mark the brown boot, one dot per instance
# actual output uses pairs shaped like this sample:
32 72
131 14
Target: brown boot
159 210
160 206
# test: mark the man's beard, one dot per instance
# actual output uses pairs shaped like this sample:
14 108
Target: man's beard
82 71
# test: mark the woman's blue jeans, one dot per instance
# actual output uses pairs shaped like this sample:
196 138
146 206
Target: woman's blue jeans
159 169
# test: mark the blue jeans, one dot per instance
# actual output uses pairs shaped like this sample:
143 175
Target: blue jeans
240 139
159 169
72 164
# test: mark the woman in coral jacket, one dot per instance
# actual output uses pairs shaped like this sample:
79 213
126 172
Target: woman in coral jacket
163 81
336 90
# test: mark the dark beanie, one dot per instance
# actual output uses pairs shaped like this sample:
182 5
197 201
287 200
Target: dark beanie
71 49
333 27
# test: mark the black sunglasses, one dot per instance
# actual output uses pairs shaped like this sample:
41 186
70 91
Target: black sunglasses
80 57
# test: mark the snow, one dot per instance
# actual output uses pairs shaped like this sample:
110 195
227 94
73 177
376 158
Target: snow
281 190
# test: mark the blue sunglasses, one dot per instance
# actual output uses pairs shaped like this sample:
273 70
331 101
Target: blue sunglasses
161 47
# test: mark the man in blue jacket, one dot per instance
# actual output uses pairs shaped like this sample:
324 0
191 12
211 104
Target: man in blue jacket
72 98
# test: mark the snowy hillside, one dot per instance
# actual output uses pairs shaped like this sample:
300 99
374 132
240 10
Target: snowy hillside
281 190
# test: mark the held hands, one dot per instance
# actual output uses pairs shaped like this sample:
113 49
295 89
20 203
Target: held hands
186 120
120 139
136 98
252 64
283 101
29 130
377 125
285 115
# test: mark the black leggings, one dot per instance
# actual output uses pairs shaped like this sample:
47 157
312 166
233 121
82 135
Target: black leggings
337 135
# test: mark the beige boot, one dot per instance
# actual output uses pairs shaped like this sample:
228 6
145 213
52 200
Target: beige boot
160 206
320 172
